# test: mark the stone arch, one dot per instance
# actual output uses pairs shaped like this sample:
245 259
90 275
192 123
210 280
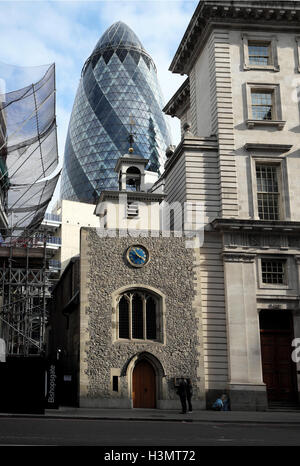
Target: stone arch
157 366
144 355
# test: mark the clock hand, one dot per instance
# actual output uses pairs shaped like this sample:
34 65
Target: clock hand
141 257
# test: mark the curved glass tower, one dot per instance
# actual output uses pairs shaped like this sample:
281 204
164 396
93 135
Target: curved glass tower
118 94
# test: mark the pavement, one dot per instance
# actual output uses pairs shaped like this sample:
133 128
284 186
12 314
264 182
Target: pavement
206 416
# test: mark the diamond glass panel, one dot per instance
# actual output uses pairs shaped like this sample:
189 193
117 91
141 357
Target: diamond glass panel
116 87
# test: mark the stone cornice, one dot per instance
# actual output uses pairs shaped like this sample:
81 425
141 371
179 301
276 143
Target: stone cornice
130 159
179 99
140 196
255 225
226 13
238 257
252 146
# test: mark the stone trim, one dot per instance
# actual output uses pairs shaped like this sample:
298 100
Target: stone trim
264 241
180 99
131 196
221 105
279 226
238 257
197 308
298 53
259 147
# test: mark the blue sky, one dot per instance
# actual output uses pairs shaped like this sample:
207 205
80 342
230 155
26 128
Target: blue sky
39 32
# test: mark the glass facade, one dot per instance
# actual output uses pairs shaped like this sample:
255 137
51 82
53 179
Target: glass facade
118 94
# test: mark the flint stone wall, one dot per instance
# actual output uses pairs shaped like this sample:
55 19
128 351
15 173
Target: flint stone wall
105 270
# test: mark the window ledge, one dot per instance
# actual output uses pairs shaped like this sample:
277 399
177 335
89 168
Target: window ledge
275 68
270 286
136 341
282 148
278 123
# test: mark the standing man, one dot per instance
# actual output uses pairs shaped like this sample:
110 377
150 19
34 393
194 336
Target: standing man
182 392
189 394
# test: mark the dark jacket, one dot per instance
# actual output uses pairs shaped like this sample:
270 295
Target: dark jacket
182 389
189 389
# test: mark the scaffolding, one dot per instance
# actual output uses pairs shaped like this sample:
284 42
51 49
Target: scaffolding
29 156
24 291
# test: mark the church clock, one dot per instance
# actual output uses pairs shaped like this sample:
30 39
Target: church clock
137 255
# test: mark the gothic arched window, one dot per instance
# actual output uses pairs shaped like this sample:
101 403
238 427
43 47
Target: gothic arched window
137 315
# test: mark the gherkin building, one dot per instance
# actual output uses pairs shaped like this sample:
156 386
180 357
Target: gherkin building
118 96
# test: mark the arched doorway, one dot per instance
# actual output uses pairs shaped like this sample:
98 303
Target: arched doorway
279 370
143 385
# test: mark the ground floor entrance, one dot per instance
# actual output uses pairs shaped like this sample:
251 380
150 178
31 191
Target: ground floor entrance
143 385
279 370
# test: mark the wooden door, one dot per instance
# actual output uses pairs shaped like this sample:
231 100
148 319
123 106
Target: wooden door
143 385
278 367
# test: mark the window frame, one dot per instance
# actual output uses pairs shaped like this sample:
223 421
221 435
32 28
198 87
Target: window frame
277 118
275 261
271 41
272 286
271 193
268 56
145 294
284 208
261 104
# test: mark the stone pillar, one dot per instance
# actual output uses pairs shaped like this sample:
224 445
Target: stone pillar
296 322
246 387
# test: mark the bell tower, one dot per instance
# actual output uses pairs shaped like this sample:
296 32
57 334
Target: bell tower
131 172
133 206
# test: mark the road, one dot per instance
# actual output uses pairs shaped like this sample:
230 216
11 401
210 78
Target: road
94 432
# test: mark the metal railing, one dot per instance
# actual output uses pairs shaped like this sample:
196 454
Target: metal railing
52 217
49 239
54 264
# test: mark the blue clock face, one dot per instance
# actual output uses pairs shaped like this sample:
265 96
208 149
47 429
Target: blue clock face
137 256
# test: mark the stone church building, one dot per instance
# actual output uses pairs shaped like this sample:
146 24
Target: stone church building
142 310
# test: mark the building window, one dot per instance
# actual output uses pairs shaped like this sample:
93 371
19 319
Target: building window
273 271
259 53
138 316
264 105
268 195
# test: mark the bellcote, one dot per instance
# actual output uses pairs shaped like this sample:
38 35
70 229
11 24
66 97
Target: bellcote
131 172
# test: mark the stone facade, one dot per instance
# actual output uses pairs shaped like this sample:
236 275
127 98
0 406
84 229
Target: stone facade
170 274
216 100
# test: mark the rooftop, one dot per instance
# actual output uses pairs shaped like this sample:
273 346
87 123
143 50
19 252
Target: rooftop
118 34
224 13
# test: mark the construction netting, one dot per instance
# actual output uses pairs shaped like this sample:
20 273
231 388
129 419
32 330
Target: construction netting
28 148
28 203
